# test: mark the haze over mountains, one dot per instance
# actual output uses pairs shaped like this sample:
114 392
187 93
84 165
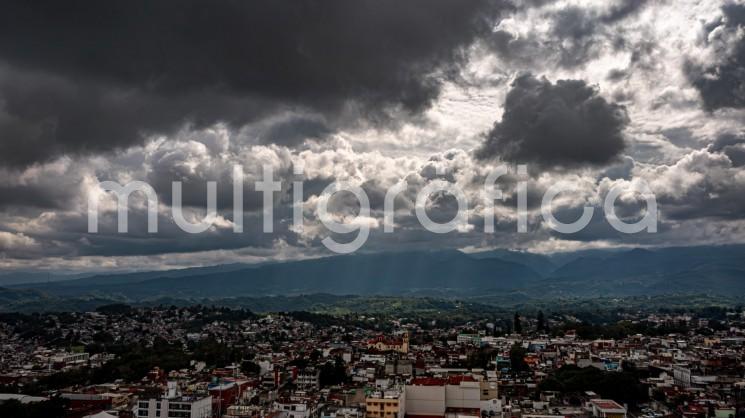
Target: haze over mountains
713 270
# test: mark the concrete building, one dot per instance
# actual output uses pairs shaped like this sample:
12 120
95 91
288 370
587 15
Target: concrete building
308 379
454 396
605 408
399 367
175 405
682 375
473 339
296 407
386 404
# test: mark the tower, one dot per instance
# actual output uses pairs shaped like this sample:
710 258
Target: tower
405 343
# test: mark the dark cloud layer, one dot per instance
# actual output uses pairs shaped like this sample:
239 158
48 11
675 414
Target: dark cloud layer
722 85
295 130
88 76
556 125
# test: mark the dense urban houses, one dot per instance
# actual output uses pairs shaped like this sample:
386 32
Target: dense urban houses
201 362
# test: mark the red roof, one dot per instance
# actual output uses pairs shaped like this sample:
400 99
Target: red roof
455 380
437 381
607 404
428 381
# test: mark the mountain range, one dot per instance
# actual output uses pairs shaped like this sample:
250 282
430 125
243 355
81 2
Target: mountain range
715 270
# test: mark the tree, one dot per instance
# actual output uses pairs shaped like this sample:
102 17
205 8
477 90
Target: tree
517 326
517 359
53 408
622 387
333 373
541 321
249 368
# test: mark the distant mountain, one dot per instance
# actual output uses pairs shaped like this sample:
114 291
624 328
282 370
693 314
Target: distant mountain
124 278
641 262
25 277
11 296
537 262
637 272
714 270
423 272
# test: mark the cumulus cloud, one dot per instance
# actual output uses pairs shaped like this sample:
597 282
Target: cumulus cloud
733 146
567 34
562 124
368 93
722 83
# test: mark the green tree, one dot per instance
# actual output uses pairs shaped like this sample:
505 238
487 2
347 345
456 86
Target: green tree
541 322
53 408
249 368
517 326
333 373
517 359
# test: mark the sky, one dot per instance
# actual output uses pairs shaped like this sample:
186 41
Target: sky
597 94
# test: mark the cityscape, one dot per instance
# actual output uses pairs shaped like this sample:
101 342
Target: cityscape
201 361
372 209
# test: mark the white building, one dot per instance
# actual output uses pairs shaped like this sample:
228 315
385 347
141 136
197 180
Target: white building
443 397
174 405
296 407
309 379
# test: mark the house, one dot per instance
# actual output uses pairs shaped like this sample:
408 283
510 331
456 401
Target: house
606 408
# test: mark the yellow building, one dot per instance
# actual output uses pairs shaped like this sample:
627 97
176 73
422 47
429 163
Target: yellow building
385 404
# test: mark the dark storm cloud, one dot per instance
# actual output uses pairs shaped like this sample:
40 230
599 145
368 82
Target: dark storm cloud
722 85
32 197
556 125
88 76
294 131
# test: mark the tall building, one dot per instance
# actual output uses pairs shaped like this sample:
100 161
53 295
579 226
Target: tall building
308 379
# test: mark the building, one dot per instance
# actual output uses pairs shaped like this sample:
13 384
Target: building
249 411
490 401
69 359
296 407
473 339
308 379
399 367
383 343
454 396
386 404
682 375
175 405
605 408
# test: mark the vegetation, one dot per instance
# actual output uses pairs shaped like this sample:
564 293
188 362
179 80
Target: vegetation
622 387
53 408
517 359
